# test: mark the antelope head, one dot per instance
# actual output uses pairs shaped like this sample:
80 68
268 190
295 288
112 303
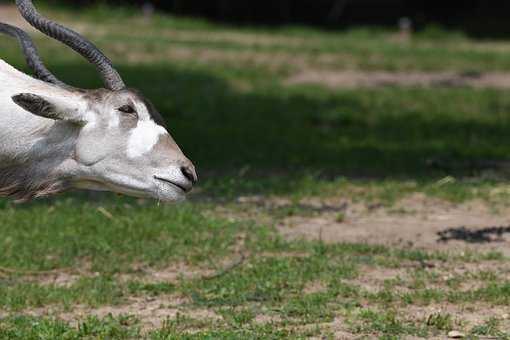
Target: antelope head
118 140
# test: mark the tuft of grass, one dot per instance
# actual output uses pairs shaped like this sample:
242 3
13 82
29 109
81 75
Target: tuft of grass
340 217
24 327
490 328
386 323
440 321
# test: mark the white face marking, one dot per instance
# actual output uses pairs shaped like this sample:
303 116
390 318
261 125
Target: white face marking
91 121
113 122
143 138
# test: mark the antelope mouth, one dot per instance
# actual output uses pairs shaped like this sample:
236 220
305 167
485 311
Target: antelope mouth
174 184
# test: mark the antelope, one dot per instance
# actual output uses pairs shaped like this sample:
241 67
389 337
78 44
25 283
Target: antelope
55 137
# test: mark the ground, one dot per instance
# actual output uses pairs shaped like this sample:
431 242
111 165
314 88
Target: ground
354 184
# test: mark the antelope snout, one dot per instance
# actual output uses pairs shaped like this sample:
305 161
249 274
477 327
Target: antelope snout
190 174
182 177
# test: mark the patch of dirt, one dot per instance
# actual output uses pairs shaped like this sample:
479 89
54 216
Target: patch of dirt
151 311
439 275
246 39
174 273
464 316
356 79
416 221
9 14
315 287
372 279
140 272
283 254
337 327
135 53
170 274
61 279
263 319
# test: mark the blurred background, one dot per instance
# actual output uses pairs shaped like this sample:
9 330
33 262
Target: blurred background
329 88
476 17
388 89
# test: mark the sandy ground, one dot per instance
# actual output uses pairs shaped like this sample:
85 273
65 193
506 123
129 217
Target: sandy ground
416 221
9 14
355 79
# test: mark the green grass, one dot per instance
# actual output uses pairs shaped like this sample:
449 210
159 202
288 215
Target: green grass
273 280
250 133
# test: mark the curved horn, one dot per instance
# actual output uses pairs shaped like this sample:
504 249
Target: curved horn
31 55
89 51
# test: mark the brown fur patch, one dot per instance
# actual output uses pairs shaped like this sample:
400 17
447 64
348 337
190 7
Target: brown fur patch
22 187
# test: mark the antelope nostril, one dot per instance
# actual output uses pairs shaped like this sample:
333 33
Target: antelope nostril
189 174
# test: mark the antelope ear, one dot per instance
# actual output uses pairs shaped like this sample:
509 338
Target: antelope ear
51 108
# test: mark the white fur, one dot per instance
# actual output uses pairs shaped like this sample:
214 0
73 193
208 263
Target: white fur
113 122
91 121
143 138
19 129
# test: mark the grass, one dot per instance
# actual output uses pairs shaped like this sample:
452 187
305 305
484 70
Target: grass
224 93
291 283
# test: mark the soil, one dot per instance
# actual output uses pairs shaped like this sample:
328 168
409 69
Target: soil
416 221
9 14
356 79
152 312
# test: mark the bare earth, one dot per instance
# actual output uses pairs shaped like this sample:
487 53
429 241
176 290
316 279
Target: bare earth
9 14
354 79
416 221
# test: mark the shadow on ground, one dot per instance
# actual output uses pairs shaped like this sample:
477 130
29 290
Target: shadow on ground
485 235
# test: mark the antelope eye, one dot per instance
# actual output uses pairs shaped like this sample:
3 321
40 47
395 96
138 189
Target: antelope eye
127 109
